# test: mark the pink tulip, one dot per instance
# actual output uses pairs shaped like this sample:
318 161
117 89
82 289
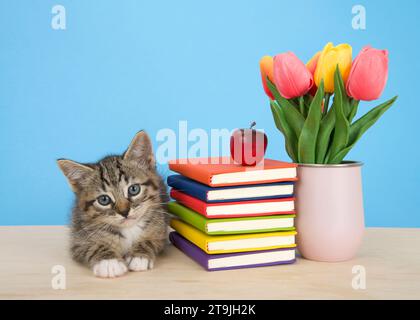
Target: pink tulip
368 74
291 76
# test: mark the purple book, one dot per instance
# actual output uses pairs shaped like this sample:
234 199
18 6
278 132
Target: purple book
228 261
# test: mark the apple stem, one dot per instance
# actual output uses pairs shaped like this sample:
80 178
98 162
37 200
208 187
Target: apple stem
253 124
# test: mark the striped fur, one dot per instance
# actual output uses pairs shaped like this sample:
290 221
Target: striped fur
130 231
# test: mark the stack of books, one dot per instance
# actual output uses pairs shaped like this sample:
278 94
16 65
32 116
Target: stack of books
229 216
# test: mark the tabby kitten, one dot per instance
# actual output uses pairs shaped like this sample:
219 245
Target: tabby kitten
119 220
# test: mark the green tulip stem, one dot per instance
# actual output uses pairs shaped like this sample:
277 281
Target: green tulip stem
302 105
326 103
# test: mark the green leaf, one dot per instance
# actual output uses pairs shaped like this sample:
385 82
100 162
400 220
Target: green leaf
308 100
291 113
338 158
327 156
354 104
358 128
342 127
326 104
324 135
276 115
308 136
289 136
345 99
365 122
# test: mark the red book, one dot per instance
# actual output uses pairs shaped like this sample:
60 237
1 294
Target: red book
222 171
252 208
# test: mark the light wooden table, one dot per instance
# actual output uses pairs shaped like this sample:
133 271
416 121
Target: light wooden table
391 258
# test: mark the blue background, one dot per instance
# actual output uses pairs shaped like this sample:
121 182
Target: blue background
121 66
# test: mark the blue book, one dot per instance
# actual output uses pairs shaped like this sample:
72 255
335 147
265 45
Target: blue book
231 194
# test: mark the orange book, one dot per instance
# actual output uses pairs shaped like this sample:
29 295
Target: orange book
221 172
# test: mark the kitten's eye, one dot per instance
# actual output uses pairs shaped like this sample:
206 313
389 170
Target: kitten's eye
104 200
134 189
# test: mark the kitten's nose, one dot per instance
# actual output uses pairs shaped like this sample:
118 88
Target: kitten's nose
124 213
123 208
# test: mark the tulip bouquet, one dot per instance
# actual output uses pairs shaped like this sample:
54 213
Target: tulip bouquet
314 105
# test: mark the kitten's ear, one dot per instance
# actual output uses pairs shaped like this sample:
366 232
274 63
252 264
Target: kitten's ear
75 172
141 150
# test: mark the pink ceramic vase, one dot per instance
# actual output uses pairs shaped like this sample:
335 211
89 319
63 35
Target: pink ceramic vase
329 211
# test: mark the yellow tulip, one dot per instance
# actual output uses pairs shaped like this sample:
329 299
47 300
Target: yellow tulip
327 64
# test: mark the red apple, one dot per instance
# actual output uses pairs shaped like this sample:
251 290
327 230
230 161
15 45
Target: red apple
247 146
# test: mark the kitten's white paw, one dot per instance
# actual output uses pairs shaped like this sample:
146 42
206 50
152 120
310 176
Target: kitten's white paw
109 268
139 263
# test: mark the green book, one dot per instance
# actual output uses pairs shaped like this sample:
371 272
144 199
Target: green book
232 225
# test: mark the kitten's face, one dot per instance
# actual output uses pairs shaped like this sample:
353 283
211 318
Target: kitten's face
117 190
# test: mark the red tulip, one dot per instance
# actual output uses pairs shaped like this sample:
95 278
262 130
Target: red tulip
368 74
291 76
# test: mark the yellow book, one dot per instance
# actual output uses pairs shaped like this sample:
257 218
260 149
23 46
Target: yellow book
234 243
